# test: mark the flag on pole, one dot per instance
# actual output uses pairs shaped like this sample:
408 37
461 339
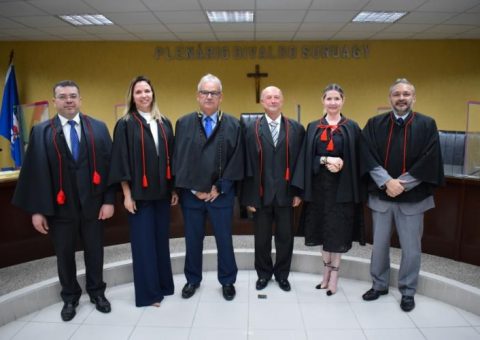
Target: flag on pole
9 119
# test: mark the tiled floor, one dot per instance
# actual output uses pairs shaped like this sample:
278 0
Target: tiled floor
303 313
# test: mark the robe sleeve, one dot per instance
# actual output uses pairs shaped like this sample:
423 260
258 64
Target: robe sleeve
34 191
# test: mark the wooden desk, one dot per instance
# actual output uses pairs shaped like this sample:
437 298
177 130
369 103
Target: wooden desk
452 229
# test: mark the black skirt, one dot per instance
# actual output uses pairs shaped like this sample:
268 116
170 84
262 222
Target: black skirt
327 222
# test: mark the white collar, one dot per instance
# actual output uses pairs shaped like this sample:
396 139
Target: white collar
64 120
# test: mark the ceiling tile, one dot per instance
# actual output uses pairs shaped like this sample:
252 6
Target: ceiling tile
60 7
448 5
156 36
148 29
313 35
63 31
465 19
196 36
282 36
280 27
42 21
399 28
103 29
339 4
320 26
234 36
177 5
189 27
453 29
132 18
83 37
236 27
180 17
19 8
117 5
425 18
330 16
228 5
428 35
475 9
352 35
393 5
364 27
282 4
117 37
279 16
392 35
6 23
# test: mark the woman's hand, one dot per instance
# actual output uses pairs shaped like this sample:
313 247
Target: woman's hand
334 164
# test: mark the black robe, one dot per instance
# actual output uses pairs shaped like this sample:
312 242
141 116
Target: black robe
351 188
199 163
127 161
423 155
39 180
273 181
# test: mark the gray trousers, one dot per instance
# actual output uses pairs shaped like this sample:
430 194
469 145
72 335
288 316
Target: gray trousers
408 218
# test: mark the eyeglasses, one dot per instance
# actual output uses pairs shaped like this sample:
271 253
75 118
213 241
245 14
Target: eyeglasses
72 96
211 93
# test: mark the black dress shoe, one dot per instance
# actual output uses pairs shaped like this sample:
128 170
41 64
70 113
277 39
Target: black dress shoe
189 289
228 292
68 310
101 303
261 283
284 285
407 303
373 294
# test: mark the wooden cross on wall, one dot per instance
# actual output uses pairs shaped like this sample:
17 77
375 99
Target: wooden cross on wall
257 75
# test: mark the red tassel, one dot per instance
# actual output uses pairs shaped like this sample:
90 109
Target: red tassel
61 197
169 173
144 181
96 178
287 174
323 136
330 145
261 191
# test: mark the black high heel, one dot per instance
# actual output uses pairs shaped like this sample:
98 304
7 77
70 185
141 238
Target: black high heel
330 292
326 276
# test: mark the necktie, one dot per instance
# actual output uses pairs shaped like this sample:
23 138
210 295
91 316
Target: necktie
274 131
74 141
208 126
400 122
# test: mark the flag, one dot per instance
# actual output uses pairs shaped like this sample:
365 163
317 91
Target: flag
9 119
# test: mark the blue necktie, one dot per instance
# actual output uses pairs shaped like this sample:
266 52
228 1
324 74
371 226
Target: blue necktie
400 122
74 141
208 126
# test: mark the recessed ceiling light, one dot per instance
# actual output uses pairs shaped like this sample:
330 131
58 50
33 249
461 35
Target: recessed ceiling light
230 16
378 16
86 19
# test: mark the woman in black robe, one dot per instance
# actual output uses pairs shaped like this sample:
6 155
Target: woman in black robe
142 147
333 212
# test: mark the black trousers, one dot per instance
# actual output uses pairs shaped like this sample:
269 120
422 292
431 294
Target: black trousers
264 218
65 234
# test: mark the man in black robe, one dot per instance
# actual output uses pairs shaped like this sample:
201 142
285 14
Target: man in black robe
208 159
272 145
401 153
63 184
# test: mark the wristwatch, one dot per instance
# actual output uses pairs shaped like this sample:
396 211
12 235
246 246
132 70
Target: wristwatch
323 160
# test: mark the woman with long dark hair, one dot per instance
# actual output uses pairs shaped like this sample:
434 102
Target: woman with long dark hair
142 146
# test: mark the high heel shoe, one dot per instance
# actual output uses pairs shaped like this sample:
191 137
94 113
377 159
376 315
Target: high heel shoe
326 276
333 281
